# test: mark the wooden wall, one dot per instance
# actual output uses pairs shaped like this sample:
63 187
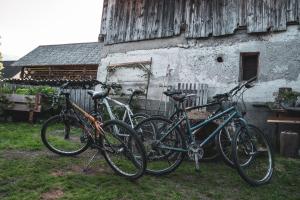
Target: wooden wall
133 20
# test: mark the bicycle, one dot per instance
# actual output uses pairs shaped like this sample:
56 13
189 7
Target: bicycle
74 130
166 146
127 116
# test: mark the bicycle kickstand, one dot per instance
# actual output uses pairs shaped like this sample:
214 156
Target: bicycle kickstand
88 164
197 162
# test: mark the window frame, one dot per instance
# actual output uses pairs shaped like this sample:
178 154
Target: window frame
241 71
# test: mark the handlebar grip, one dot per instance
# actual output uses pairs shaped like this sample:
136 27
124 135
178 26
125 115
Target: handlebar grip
251 80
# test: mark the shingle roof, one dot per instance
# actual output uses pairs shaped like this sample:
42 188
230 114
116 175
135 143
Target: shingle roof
10 71
64 54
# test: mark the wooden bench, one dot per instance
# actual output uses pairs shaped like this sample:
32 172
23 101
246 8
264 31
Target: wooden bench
283 120
25 103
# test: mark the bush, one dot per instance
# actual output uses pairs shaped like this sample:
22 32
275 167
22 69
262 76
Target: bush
36 90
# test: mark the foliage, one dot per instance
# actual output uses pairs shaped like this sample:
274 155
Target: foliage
289 96
36 90
1 65
5 90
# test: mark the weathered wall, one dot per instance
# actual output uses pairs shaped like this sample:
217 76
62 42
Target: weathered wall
134 20
196 61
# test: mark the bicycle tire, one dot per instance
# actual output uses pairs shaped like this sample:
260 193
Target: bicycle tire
55 120
141 164
239 139
180 156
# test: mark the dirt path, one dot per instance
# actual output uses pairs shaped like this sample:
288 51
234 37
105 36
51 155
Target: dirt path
24 154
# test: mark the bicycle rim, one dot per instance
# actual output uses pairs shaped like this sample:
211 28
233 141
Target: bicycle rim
64 135
123 150
253 156
160 161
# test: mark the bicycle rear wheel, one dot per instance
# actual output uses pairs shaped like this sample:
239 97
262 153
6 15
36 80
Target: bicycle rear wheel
253 156
64 135
123 150
162 156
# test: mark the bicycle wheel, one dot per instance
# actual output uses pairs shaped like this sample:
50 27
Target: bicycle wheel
253 156
123 150
162 157
64 135
138 118
223 142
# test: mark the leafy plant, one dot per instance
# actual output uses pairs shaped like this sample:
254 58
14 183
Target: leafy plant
5 90
289 96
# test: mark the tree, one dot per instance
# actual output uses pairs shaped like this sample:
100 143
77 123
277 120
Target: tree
1 65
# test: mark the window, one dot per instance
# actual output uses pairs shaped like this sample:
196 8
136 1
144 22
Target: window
249 65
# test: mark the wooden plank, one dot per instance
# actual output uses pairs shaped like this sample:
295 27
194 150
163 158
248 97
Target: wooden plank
284 120
278 17
179 16
104 17
20 98
292 10
242 13
225 17
266 15
199 18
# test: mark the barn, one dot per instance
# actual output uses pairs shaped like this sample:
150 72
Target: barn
216 42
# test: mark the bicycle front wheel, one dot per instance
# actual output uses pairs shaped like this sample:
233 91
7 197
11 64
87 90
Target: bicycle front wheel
123 150
64 135
164 147
253 156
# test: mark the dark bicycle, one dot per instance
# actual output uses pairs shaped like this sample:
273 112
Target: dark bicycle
166 146
74 130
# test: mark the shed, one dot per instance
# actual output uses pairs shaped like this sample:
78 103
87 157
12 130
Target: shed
65 61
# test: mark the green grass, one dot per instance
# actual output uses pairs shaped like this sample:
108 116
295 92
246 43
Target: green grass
28 171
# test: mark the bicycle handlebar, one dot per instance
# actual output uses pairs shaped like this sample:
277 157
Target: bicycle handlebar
236 89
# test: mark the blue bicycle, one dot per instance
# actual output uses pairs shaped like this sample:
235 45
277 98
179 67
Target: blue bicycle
166 146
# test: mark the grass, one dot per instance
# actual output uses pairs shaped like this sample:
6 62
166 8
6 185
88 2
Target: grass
29 171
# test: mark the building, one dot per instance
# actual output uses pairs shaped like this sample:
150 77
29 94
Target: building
218 42
66 61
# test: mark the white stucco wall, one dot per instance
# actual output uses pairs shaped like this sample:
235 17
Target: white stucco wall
279 63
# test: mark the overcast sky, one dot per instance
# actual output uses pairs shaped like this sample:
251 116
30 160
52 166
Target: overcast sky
26 24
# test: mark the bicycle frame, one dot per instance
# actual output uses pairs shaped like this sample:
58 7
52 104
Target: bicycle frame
127 113
191 130
72 106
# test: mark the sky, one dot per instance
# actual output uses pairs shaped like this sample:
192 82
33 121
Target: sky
26 24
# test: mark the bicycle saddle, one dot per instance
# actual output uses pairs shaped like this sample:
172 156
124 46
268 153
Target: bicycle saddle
138 92
97 95
171 93
179 98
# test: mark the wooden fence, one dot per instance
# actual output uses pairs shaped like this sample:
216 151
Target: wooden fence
197 94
